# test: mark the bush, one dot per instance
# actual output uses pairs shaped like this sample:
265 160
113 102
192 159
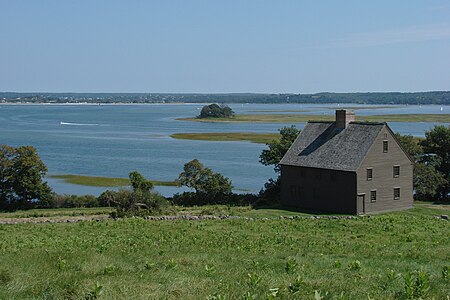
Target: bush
198 198
69 201
137 203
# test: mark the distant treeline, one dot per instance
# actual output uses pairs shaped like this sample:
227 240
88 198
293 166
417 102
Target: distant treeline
437 97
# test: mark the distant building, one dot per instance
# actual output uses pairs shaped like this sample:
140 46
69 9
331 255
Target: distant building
347 167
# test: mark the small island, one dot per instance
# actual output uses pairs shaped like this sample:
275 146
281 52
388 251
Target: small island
216 111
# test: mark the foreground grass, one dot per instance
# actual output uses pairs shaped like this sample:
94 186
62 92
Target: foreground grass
137 259
296 118
104 181
261 138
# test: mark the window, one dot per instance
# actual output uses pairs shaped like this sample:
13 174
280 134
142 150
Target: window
396 193
396 171
369 174
385 146
373 196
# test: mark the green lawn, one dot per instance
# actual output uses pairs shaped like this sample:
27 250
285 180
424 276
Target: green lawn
103 181
296 118
229 259
261 138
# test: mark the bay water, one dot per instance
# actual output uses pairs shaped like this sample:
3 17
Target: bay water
112 140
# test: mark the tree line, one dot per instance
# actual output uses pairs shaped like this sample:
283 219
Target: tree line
434 97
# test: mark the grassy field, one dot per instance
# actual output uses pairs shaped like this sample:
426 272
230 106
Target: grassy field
230 259
296 118
103 181
261 138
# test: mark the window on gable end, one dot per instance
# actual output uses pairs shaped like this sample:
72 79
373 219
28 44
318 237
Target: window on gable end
396 171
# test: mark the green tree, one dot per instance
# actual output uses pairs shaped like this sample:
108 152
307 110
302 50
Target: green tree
410 144
138 182
204 180
427 181
21 176
6 174
272 156
437 143
278 148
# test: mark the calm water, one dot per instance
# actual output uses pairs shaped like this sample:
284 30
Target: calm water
112 140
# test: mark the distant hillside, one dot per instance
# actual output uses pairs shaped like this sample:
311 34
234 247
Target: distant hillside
437 97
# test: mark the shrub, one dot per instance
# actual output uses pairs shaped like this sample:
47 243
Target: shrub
140 201
137 203
69 201
191 199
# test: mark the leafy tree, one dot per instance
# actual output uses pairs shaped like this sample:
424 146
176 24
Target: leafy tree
204 180
278 148
431 167
216 111
427 181
6 155
437 143
272 156
410 144
21 176
138 182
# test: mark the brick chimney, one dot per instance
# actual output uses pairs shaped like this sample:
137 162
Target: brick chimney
343 117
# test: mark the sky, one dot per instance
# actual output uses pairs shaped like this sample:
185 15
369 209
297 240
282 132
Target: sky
224 46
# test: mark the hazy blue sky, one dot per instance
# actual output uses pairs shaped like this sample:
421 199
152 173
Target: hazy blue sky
224 46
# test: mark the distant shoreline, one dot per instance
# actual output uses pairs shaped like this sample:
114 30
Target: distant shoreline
204 103
383 98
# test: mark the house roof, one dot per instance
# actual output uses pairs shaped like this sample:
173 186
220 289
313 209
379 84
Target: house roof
322 145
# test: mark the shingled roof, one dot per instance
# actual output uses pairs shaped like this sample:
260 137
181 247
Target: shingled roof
323 145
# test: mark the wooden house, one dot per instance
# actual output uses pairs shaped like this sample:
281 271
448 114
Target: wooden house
347 167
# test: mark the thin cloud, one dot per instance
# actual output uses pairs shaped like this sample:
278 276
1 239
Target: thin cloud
395 36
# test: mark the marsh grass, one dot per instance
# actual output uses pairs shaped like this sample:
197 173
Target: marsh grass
104 181
298 118
229 259
260 138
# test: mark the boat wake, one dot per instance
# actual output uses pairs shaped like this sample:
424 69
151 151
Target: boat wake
77 124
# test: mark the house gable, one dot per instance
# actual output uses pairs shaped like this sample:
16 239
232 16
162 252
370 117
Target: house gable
385 168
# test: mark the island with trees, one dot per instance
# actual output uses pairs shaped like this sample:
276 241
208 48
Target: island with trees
216 111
